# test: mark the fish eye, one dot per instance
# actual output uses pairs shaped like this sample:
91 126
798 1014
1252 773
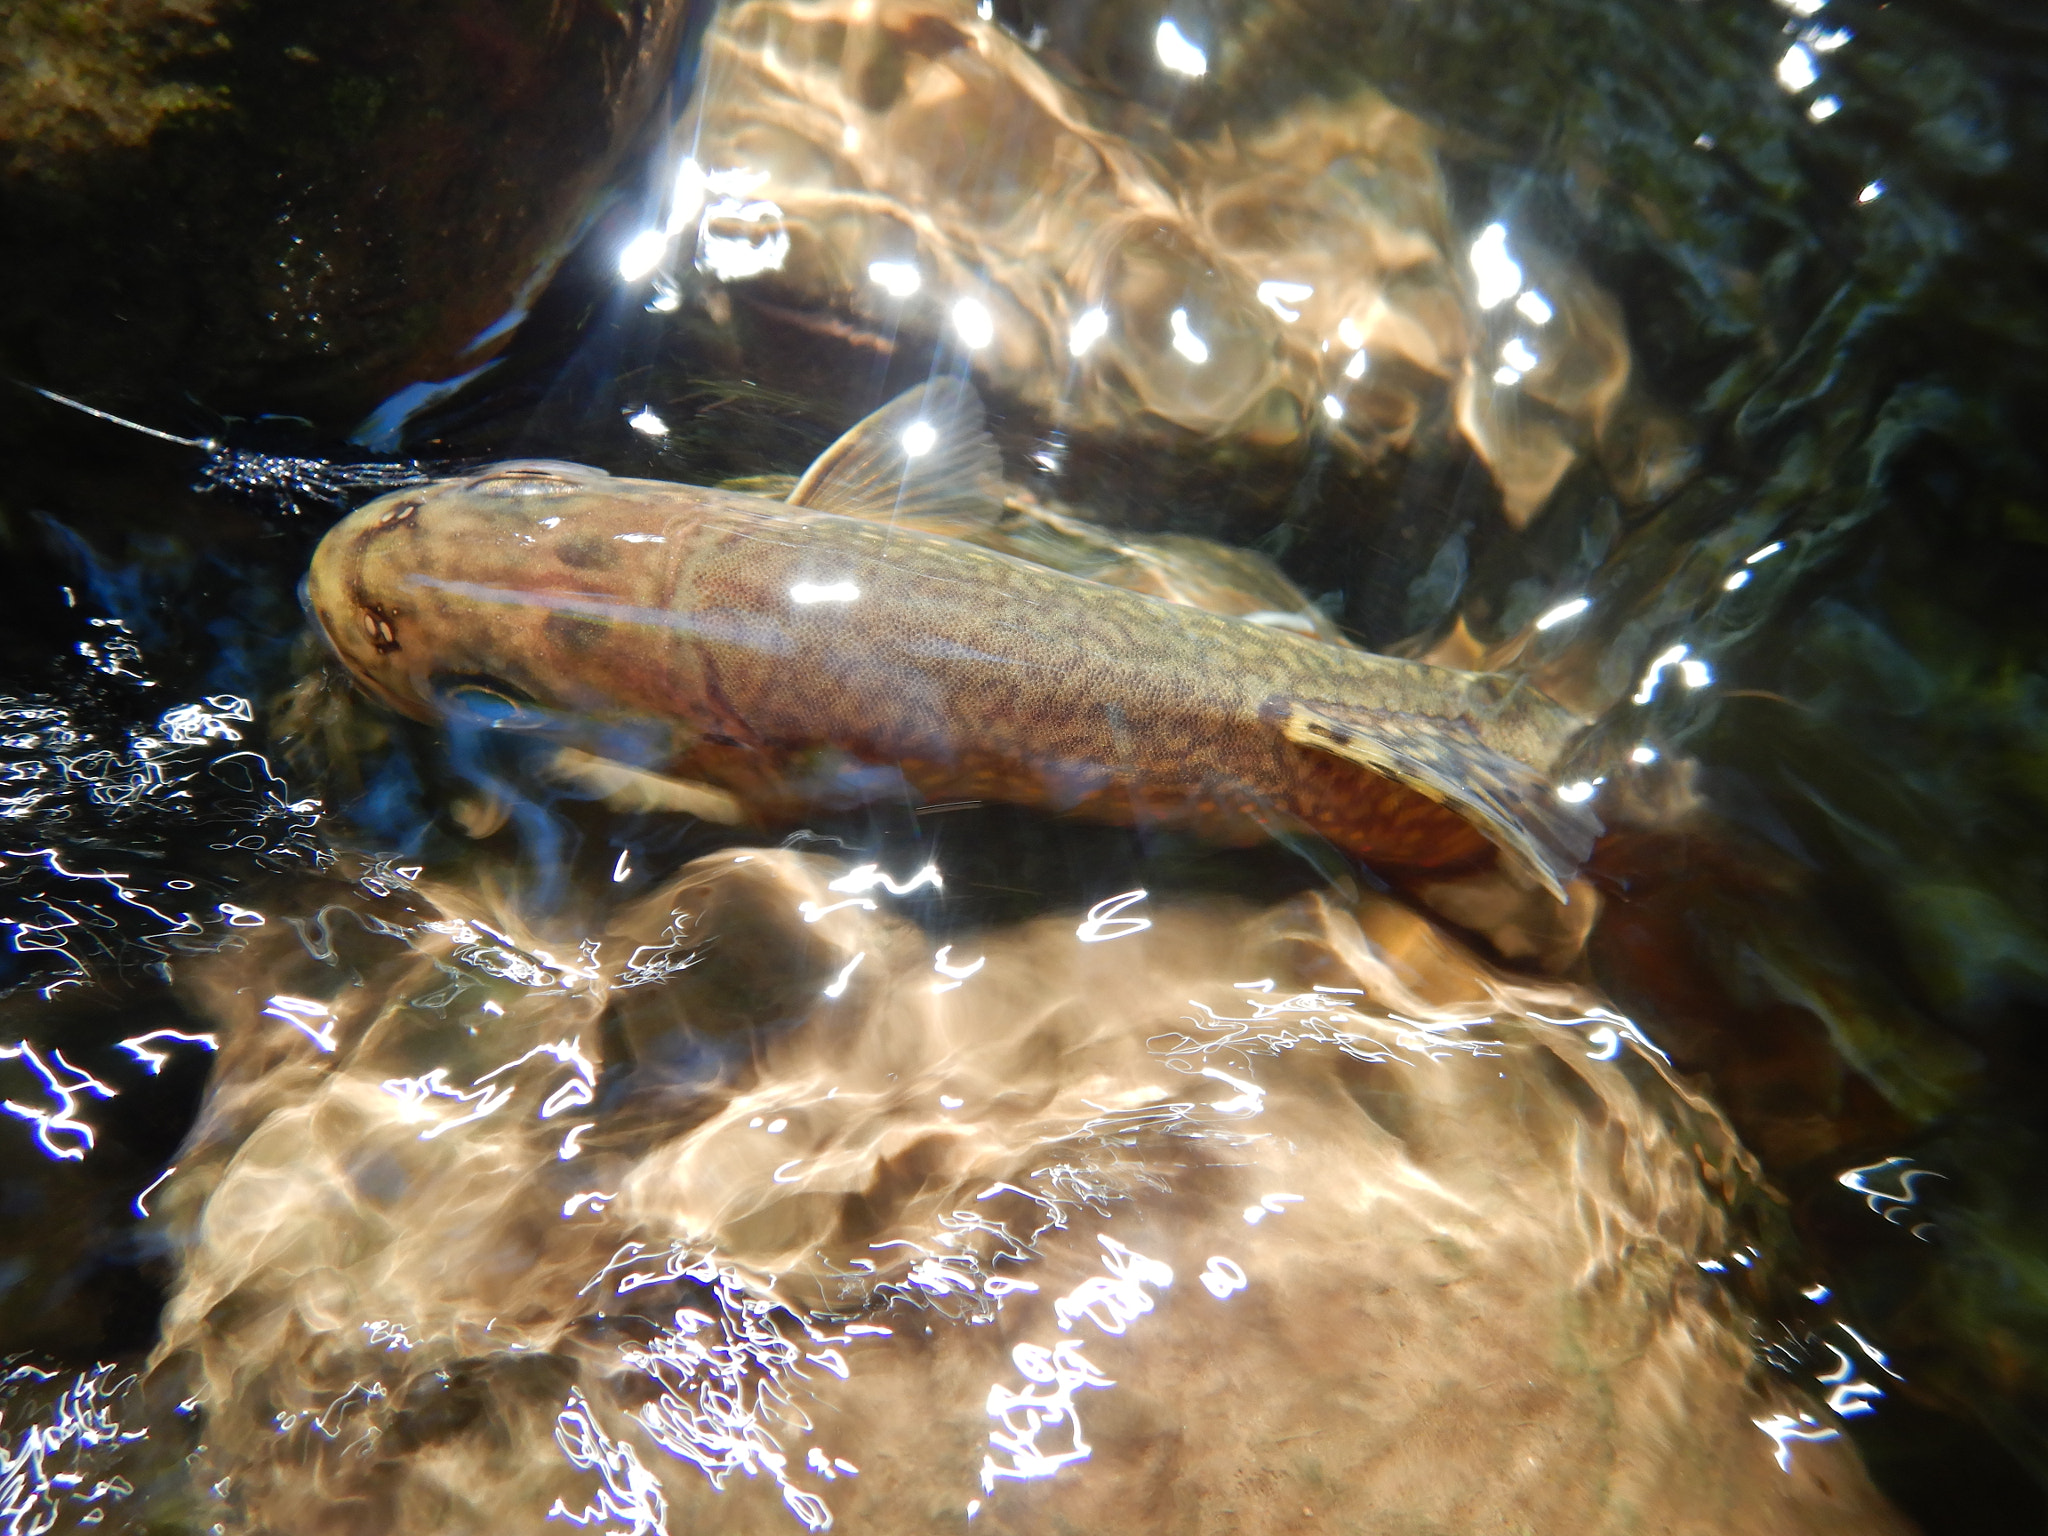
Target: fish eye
489 702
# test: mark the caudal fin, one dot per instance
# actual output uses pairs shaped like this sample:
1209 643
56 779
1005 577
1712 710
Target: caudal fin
1511 803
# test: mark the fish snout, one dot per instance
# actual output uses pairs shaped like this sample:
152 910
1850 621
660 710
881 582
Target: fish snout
361 622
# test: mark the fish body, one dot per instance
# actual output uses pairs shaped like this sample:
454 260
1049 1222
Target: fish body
791 654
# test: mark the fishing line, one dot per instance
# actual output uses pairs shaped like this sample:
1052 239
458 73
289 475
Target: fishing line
210 444
283 479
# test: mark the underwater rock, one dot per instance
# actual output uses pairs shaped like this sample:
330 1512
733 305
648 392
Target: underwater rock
1285 275
274 208
480 1229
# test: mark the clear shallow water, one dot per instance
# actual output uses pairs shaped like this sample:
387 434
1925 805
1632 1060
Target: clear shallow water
1599 306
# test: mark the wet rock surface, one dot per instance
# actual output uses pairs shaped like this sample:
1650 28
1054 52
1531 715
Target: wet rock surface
234 209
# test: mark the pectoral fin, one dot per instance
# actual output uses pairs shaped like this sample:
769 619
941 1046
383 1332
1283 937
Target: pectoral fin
1513 804
925 458
625 788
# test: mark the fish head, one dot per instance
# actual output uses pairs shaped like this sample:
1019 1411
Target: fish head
450 602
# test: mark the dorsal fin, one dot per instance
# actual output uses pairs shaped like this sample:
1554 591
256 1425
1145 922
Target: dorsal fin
1514 805
925 457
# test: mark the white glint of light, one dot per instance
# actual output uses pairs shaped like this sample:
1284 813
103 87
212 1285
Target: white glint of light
1563 611
1871 193
1499 275
624 867
638 538
1535 308
811 912
1090 326
1824 107
642 254
849 139
839 983
1185 341
1355 369
1766 552
1114 1301
1103 922
1803 7
1655 675
1875 1355
1023 1416
51 1124
1783 1428
1516 354
1796 71
1350 332
1269 1205
1644 753
1506 377
1736 582
945 967
974 325
919 438
1223 1278
1695 672
140 1208
1300 623
737 182
731 257
1576 794
1333 408
1249 1099
1177 53
865 877
686 197
312 1019
1826 41
824 592
1277 296
1816 1294
645 421
1607 1040
899 279
152 1062
572 1142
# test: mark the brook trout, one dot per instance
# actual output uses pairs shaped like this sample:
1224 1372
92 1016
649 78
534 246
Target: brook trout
768 658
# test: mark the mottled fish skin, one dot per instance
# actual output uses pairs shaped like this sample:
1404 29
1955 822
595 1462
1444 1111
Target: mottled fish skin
786 649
